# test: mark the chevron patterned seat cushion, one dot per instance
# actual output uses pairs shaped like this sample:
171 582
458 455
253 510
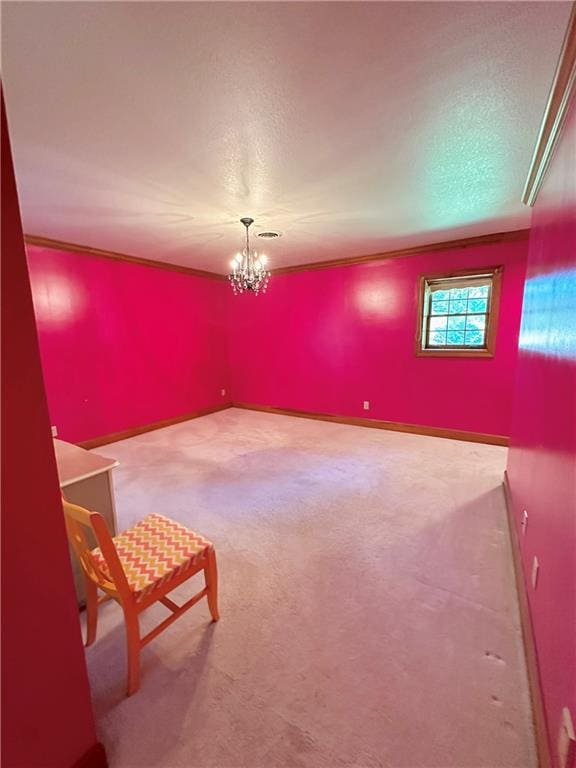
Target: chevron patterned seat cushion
155 551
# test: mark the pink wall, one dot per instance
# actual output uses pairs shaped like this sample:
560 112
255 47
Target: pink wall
327 340
542 458
46 710
124 345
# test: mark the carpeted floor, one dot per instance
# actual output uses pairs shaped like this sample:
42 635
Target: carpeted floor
369 614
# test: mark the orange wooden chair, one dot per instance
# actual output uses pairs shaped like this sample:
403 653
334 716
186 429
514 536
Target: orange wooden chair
137 568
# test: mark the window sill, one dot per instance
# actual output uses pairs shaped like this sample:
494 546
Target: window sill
454 353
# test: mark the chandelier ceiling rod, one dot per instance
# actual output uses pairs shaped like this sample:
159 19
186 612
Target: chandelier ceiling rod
247 221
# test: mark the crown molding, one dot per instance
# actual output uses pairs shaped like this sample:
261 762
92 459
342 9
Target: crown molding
60 245
555 112
465 242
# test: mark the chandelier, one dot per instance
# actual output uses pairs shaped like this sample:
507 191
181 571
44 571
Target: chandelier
248 268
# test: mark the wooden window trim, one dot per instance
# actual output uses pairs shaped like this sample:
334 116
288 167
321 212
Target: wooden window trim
492 314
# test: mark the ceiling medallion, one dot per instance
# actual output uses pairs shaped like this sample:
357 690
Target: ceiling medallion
248 268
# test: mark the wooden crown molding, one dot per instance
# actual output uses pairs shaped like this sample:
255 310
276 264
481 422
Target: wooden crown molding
464 242
61 245
554 114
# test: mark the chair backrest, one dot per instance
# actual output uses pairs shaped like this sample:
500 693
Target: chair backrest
79 522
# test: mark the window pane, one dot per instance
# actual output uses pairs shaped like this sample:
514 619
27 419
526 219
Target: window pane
479 292
438 323
475 322
475 338
456 311
455 337
457 307
477 305
437 339
457 323
439 307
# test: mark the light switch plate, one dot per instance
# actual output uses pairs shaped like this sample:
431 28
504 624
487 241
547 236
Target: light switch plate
223 392
535 571
366 405
54 431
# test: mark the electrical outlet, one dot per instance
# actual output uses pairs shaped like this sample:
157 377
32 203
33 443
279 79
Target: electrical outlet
524 523
223 392
535 571
54 431
566 741
366 405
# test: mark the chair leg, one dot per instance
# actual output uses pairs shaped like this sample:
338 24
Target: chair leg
133 649
211 578
91 591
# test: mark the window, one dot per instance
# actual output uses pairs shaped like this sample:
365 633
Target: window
458 313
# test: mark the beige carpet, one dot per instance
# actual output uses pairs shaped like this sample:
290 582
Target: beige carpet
369 614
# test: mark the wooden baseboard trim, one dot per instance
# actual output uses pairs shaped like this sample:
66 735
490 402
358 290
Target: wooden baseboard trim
392 426
95 757
96 442
538 711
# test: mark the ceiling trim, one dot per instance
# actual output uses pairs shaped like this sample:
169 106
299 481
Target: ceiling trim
465 242
563 86
60 245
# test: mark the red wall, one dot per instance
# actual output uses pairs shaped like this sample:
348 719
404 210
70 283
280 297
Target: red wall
124 345
47 719
542 458
325 341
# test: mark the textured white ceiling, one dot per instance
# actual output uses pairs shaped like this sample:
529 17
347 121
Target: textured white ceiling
352 128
